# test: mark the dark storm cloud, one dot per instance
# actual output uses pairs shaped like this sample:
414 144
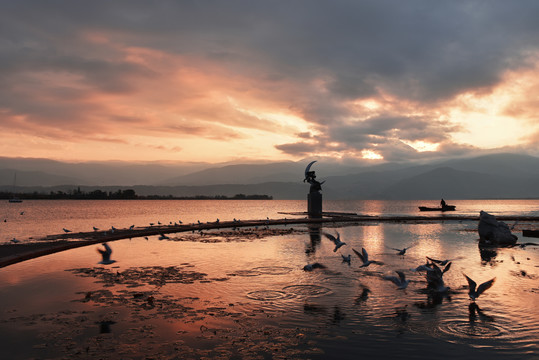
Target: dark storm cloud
312 57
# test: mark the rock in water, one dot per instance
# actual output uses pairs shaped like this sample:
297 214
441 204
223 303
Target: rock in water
494 232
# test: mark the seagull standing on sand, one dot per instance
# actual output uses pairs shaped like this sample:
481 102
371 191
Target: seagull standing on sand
400 281
336 240
472 292
105 254
364 257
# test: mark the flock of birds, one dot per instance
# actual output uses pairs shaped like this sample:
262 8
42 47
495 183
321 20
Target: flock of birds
434 270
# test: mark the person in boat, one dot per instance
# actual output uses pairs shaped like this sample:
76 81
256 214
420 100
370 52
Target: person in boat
443 203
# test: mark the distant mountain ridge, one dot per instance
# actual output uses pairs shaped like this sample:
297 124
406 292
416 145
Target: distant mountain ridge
490 176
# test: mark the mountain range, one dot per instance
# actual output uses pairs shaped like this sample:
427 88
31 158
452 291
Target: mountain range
501 175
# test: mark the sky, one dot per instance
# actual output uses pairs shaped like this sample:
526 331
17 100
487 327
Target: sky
216 81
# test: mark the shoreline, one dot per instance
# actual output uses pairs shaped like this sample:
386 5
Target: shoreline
14 253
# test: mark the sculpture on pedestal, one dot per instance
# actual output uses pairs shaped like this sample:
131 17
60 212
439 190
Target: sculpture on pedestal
310 177
314 198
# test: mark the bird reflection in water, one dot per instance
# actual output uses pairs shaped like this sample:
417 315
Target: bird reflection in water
434 299
363 296
314 309
475 313
338 315
402 314
104 326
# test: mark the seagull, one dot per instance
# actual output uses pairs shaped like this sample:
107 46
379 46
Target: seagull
336 240
22 212
472 292
15 241
311 267
364 256
401 251
95 229
131 227
346 258
66 230
439 262
435 278
400 281
105 254
422 268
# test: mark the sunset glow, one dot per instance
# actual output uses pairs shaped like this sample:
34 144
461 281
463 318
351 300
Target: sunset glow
163 87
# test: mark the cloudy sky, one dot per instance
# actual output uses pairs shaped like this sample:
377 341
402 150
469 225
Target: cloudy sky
224 80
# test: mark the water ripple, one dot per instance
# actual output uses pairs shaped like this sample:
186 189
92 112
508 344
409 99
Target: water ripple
308 290
266 295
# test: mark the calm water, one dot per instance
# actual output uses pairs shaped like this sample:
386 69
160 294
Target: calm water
246 296
46 217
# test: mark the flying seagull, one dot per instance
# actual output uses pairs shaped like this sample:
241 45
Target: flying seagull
336 240
105 254
440 262
364 257
401 251
400 281
472 292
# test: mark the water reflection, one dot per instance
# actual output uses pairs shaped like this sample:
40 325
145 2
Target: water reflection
207 295
104 326
315 237
363 296
434 299
488 255
475 313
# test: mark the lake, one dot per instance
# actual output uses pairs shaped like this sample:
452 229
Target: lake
243 294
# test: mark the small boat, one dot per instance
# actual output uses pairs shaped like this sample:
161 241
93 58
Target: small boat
530 233
442 208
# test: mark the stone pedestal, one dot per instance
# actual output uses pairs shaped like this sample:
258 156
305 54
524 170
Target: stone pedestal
314 204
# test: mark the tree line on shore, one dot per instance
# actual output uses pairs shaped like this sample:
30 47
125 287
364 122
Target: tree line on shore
127 194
